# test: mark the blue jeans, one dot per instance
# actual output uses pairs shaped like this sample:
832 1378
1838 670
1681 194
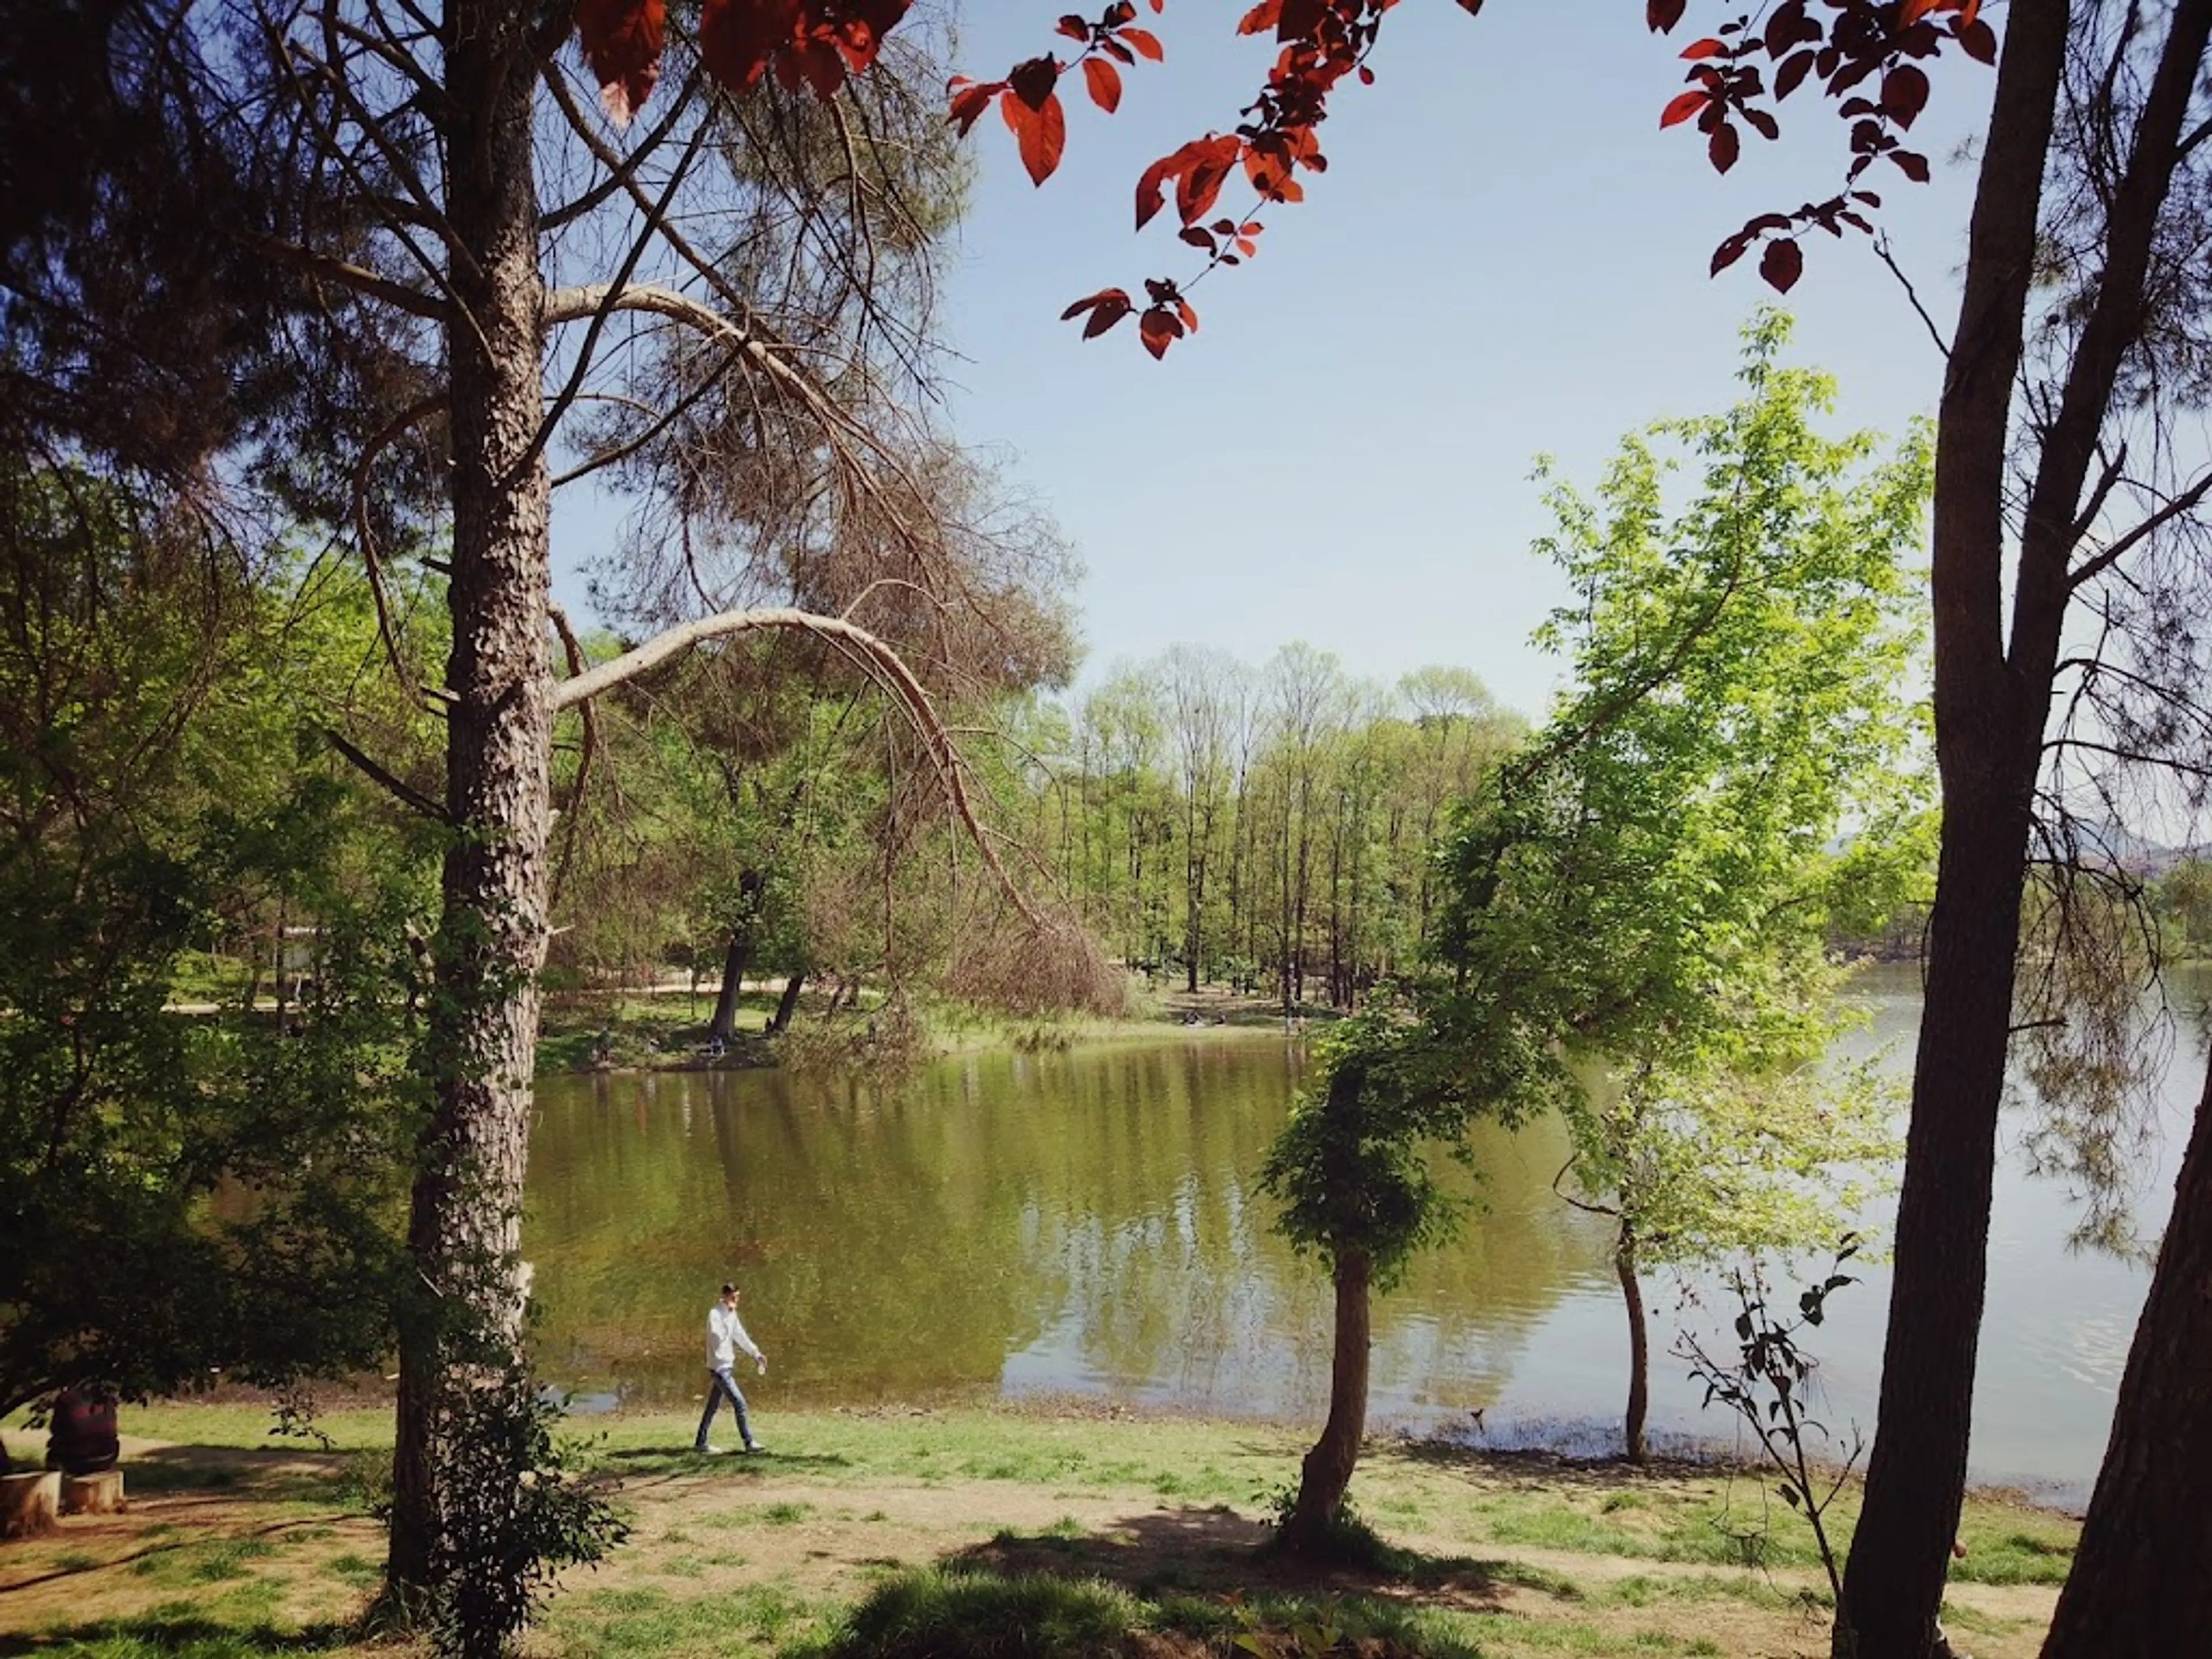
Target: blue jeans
720 1383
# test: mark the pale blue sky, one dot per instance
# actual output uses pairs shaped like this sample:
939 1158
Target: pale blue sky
1505 256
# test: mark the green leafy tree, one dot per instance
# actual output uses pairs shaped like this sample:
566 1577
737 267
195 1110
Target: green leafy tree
1707 807
1618 888
186 1193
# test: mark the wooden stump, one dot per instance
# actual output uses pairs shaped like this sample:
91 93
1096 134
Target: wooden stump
98 1493
30 1504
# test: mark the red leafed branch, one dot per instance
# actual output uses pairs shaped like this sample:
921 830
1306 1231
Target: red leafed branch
1029 98
810 43
1319 43
1866 57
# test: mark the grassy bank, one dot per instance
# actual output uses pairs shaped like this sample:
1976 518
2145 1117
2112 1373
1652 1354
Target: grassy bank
667 1030
873 1535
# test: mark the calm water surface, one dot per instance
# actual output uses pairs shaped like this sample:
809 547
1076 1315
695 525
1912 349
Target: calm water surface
1006 1224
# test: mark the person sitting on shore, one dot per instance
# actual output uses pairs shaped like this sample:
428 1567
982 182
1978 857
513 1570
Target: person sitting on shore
82 1439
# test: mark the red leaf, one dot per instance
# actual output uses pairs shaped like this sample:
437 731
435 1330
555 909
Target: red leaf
1074 28
1781 265
1247 247
1723 148
1196 190
1300 19
1159 329
1042 133
1144 43
1791 75
1033 82
811 63
1911 164
1104 82
1260 18
1189 317
1707 47
1659 16
969 101
1150 196
621 43
1905 92
737 36
1914 10
1685 105
1728 252
1197 236
1107 307
1980 41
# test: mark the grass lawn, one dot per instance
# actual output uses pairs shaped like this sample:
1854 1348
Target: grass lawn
880 1535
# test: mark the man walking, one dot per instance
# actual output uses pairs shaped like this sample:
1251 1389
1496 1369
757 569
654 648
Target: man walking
726 1339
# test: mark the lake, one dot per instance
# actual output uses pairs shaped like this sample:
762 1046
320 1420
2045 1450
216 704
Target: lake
1007 1224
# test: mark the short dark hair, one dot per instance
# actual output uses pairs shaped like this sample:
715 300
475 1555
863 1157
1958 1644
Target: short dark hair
728 1288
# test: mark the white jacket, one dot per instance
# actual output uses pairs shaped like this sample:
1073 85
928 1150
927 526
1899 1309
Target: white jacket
725 1338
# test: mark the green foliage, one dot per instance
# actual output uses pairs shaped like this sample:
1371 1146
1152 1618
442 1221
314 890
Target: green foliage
518 1514
183 1194
1350 1167
1658 869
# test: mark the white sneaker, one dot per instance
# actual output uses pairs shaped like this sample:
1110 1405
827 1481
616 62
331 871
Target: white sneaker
755 1449
710 1451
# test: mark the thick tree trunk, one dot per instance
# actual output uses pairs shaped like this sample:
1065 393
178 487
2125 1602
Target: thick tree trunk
787 1004
738 956
1991 703
468 1190
1915 1477
2141 1582
1639 1346
1916 1480
1326 1473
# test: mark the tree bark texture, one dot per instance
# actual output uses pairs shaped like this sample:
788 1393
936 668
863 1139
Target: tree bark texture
1326 1474
2141 1581
1639 1346
787 1004
467 1197
1987 730
1991 703
738 956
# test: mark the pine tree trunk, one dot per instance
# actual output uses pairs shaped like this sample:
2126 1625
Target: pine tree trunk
467 1199
2141 1581
1639 1346
1326 1473
1915 1477
1992 699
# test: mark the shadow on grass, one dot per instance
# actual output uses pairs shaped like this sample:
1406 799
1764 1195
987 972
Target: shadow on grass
1216 1551
294 1471
177 1638
637 1460
1536 1466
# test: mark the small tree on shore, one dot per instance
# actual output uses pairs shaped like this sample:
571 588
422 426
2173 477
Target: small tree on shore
1627 886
